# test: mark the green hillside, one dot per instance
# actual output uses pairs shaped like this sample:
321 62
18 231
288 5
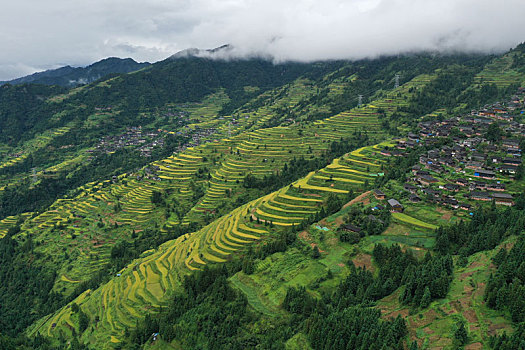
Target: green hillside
142 196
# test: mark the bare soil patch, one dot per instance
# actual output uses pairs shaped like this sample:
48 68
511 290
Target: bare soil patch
493 328
470 316
305 236
363 198
364 260
446 216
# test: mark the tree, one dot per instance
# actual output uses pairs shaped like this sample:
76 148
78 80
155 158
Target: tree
460 333
315 252
494 132
83 321
426 299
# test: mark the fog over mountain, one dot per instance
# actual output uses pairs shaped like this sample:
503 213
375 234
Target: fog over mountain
57 32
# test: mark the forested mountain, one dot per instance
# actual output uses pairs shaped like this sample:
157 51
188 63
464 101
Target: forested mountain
212 204
68 76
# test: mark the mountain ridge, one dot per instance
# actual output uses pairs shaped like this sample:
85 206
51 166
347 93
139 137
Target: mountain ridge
68 76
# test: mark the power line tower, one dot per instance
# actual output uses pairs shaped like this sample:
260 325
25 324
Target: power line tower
34 175
396 85
360 100
229 129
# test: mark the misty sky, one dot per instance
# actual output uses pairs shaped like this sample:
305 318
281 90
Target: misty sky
41 34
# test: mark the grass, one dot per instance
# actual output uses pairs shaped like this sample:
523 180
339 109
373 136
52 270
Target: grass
404 218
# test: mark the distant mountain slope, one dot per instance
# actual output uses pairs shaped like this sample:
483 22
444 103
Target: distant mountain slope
73 76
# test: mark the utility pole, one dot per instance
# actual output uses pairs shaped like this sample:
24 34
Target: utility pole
34 175
396 81
360 100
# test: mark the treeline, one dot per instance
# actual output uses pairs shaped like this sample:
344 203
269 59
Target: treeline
506 287
26 289
209 314
488 227
23 197
397 269
23 108
515 341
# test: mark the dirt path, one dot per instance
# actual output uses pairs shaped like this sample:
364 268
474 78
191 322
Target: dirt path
359 199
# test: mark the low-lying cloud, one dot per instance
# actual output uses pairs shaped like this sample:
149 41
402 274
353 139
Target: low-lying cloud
36 35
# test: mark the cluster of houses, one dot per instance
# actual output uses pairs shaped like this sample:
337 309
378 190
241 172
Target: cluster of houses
145 141
197 136
472 168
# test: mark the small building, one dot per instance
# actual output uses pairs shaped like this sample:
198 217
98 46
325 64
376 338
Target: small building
350 228
511 169
503 199
410 188
512 161
426 180
395 206
461 182
512 144
465 206
414 198
484 174
379 194
452 187
480 196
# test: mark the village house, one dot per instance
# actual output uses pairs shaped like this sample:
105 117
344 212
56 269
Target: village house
350 228
414 198
452 187
495 187
426 180
480 196
410 188
503 199
484 174
511 169
379 194
395 206
465 206
461 182
511 144
512 161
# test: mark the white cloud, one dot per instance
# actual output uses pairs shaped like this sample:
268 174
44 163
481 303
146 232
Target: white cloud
42 34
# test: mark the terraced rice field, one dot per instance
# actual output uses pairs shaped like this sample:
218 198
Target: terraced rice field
144 283
492 74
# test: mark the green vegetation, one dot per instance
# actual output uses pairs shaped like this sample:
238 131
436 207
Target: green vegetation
229 204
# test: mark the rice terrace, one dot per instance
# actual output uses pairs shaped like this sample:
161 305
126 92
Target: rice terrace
288 196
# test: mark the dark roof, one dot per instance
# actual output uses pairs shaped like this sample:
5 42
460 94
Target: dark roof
501 195
378 192
428 178
352 228
394 203
486 172
414 198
